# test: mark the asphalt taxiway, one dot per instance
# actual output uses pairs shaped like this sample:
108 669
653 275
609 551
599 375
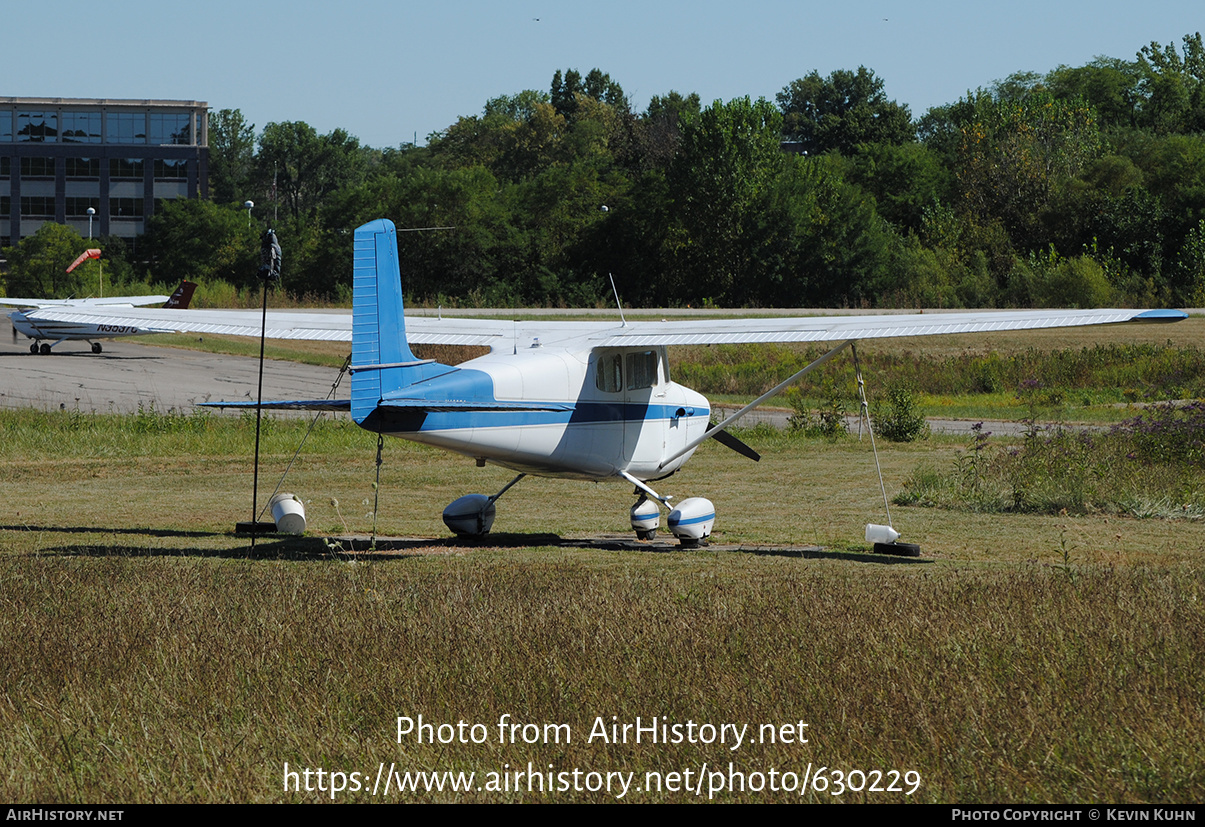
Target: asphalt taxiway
128 375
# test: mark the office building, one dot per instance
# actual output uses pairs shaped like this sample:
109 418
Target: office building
60 157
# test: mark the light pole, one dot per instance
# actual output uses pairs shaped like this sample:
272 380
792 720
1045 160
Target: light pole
91 212
249 206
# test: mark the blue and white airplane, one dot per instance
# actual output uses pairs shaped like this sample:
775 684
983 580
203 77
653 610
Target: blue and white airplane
47 332
586 400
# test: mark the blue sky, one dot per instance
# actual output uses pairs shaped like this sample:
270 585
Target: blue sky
387 71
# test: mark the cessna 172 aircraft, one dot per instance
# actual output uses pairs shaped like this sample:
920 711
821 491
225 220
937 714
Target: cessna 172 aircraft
46 333
588 400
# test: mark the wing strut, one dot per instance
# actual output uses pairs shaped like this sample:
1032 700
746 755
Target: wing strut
774 391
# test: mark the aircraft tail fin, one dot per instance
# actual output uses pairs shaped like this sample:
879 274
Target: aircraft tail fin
381 359
179 300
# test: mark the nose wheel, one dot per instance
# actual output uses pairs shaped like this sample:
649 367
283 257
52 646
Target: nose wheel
96 348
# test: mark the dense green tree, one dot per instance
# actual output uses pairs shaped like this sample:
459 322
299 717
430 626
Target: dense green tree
231 156
1172 86
1108 85
728 155
567 90
202 241
841 111
1018 86
660 129
1012 156
303 168
903 178
37 267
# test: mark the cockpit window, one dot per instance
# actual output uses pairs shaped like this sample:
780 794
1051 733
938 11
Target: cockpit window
642 370
608 376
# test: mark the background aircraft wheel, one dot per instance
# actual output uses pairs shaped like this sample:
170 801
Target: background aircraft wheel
33 348
44 350
651 534
96 348
898 549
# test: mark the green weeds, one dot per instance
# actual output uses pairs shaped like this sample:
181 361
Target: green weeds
1152 464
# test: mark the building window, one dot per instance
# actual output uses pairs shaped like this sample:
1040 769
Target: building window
170 129
126 168
37 206
37 167
125 207
78 207
81 127
6 206
6 167
6 126
37 127
171 170
126 128
83 167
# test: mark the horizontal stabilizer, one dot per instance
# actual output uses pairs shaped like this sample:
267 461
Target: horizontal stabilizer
294 405
446 405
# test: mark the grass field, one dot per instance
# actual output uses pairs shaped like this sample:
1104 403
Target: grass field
148 654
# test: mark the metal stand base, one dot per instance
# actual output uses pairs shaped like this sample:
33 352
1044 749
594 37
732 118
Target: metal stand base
257 527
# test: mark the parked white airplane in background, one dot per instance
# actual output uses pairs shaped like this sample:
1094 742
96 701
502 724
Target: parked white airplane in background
587 400
46 332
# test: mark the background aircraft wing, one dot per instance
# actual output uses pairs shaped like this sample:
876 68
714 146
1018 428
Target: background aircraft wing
281 324
117 301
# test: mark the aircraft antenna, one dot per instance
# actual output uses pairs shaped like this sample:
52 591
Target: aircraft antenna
618 303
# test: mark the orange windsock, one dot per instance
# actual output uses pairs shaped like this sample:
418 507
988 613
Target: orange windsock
84 256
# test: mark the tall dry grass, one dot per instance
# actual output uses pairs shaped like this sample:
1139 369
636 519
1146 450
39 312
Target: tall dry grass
146 654
149 678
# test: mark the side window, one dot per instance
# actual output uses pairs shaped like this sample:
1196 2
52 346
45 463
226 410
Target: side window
608 375
642 370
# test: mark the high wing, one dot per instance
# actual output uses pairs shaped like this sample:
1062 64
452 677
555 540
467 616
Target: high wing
835 328
504 335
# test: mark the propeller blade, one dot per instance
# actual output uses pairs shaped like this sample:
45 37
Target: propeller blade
728 440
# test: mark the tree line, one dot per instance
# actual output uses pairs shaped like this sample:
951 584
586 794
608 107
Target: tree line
1083 186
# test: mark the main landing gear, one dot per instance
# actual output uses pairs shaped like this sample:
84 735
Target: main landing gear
690 521
44 348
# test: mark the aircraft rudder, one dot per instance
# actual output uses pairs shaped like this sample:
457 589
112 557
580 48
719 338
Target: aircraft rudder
378 319
182 297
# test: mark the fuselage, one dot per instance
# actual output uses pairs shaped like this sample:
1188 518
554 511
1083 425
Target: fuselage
27 323
619 413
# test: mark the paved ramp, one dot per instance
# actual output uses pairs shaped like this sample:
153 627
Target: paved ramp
128 374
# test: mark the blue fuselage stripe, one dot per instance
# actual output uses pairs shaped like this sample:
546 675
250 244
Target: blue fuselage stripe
402 419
